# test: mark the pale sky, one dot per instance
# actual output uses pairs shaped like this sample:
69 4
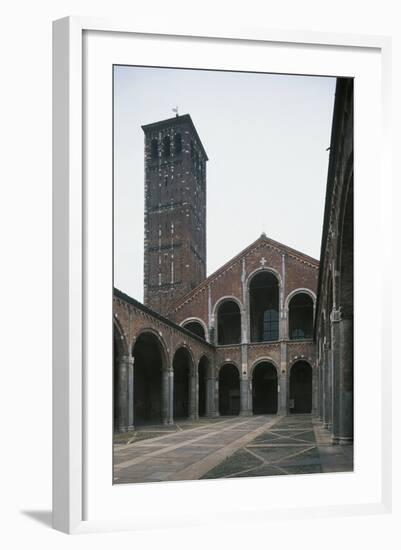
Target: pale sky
266 137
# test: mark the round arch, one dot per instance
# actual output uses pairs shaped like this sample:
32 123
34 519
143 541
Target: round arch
258 270
301 314
160 340
149 361
224 363
264 305
227 314
190 320
218 303
264 359
123 344
184 345
296 291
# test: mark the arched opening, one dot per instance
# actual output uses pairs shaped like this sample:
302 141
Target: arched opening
229 391
117 356
177 144
203 368
264 307
301 388
182 370
166 147
148 365
301 317
228 323
154 148
264 389
196 328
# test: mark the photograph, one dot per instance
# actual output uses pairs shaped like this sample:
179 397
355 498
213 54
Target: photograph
233 272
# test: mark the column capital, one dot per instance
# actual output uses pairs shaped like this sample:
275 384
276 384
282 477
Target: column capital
335 315
128 360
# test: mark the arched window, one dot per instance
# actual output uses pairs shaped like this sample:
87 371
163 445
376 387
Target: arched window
270 325
264 307
154 148
228 323
301 317
196 328
177 144
166 147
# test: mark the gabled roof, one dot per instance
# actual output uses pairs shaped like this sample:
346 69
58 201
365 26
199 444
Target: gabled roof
263 239
176 120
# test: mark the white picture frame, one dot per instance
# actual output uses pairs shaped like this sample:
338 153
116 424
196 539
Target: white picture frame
74 476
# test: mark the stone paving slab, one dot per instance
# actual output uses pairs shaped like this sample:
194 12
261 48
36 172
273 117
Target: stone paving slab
230 447
185 456
291 447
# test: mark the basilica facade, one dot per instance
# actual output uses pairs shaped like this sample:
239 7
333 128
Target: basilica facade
262 334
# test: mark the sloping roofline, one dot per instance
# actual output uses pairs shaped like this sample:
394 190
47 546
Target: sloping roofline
129 300
262 239
176 119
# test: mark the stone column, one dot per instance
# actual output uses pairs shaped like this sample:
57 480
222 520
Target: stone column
320 389
244 310
244 397
323 388
130 393
315 389
216 395
170 415
335 319
122 395
165 396
327 387
245 409
193 379
282 382
210 394
283 313
346 416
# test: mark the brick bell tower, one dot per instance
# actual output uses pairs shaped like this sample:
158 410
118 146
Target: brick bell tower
175 211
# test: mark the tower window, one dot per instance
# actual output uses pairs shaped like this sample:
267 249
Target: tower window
177 144
166 146
154 148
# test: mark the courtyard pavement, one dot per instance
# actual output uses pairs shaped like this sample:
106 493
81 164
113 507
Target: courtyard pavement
228 447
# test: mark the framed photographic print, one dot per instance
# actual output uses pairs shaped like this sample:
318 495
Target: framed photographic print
213 207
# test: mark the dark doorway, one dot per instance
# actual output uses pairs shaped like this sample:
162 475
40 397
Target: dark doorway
196 328
301 388
264 307
182 370
229 323
229 392
264 389
301 317
203 368
148 366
